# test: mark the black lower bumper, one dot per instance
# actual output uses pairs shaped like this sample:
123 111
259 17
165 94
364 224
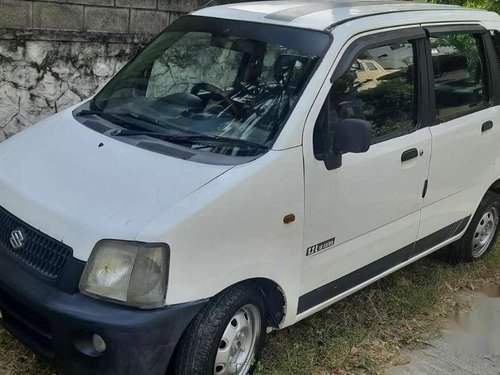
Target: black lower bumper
60 326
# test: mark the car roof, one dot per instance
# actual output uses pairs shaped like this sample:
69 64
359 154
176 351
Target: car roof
318 14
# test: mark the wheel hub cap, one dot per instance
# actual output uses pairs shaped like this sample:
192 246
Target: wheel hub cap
485 232
236 351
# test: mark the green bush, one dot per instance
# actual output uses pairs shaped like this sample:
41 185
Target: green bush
493 5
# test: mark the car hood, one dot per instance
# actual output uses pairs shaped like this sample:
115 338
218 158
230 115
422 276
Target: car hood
79 186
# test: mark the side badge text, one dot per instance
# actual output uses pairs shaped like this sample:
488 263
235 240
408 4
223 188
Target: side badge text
320 247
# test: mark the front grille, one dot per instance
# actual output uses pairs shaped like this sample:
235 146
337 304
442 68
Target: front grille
30 246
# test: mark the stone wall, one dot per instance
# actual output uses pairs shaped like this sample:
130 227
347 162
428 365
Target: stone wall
41 77
113 16
55 53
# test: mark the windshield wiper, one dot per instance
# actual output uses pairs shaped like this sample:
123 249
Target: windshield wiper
195 138
89 112
158 125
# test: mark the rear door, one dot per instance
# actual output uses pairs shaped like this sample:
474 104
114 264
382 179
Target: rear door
464 133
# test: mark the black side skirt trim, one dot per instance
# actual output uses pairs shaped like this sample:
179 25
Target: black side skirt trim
345 283
440 236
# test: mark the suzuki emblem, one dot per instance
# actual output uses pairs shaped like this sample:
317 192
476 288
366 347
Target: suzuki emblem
17 239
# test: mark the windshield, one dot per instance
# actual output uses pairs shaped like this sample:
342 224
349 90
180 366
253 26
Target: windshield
215 79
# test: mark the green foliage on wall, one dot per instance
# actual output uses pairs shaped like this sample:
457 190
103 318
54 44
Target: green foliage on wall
493 5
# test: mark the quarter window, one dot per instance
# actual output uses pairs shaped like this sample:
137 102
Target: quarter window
459 74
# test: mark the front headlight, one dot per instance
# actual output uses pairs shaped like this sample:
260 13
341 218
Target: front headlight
130 273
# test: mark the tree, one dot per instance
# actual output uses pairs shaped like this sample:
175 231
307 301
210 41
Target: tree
493 5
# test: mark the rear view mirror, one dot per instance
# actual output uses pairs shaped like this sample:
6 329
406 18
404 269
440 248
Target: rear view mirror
351 135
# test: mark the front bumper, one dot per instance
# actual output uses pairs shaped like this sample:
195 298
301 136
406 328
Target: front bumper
59 325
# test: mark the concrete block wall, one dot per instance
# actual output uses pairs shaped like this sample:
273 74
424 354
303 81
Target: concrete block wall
56 53
111 16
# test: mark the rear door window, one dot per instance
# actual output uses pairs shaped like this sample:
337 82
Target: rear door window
459 69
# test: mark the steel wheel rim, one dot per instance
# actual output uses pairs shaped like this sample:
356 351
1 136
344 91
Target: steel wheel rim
236 351
484 232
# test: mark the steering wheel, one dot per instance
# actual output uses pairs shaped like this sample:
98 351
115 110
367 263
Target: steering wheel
218 92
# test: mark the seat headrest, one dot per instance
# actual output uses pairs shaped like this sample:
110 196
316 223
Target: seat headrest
290 70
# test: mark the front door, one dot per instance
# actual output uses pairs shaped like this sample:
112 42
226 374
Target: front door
362 218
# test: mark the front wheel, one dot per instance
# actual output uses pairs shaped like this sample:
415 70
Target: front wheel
226 338
482 233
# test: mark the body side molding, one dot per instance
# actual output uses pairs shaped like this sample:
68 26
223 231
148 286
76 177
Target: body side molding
372 270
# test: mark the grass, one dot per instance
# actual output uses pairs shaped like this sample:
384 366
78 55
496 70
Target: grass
367 331
359 335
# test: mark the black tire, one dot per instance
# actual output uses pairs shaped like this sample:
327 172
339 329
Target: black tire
199 345
464 251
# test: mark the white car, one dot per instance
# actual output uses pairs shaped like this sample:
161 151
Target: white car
245 171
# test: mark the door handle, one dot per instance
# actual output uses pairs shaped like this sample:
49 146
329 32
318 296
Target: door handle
409 154
486 126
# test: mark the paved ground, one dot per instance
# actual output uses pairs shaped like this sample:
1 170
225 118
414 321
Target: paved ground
470 345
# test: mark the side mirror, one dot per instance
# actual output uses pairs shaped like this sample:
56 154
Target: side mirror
351 135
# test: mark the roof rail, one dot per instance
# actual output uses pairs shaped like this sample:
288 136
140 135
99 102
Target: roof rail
341 22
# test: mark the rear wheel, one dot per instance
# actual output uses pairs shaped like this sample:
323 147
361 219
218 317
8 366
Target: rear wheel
226 338
482 233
